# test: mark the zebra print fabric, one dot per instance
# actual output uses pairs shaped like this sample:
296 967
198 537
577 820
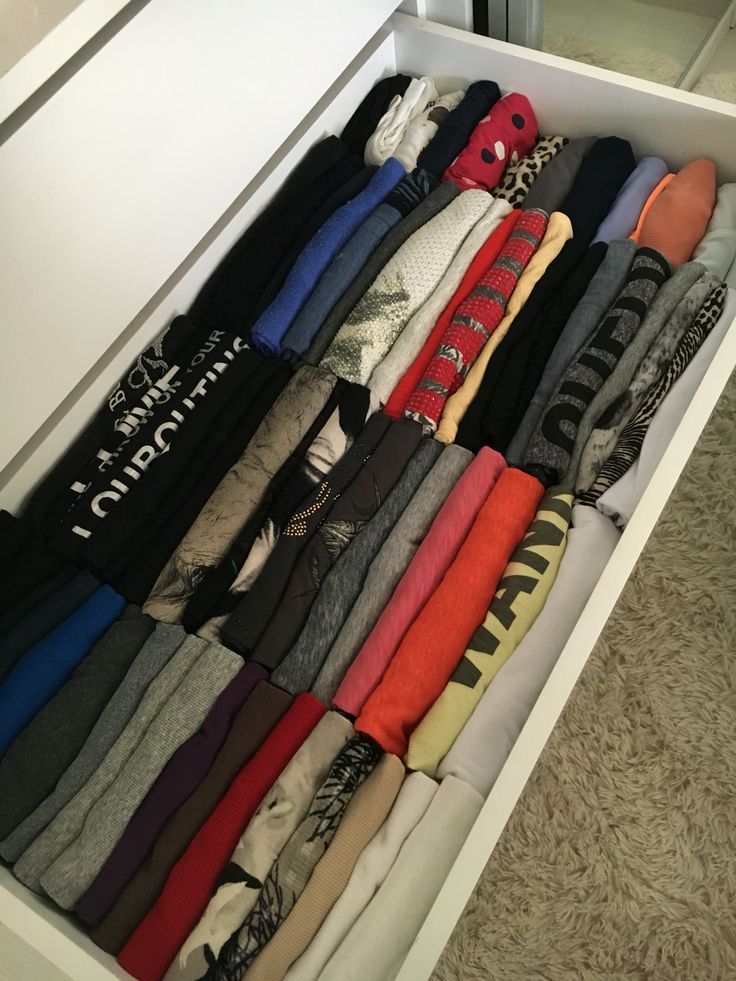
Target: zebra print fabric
630 442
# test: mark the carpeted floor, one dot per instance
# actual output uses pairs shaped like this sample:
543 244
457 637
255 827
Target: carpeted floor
619 862
640 62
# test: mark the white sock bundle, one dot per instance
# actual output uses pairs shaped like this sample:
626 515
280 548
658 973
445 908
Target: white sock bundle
401 111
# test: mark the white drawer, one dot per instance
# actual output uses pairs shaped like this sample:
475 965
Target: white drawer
568 98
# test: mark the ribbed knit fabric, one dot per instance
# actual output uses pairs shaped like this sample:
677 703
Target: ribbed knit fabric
421 203
326 442
473 323
368 874
550 449
69 822
643 361
433 645
557 232
389 565
291 870
717 248
455 130
397 911
665 182
521 594
364 816
179 778
401 288
524 365
239 492
519 177
364 120
553 185
151 660
154 944
43 669
392 125
481 749
501 138
356 505
678 218
622 219
412 338
245 627
434 556
282 810
40 754
343 584
259 714
629 443
44 617
270 328
484 258
602 174
604 287
76 868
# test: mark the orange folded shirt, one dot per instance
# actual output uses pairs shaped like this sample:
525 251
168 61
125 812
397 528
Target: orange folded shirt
668 178
435 642
678 218
485 257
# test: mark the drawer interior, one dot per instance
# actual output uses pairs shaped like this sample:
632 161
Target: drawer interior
570 99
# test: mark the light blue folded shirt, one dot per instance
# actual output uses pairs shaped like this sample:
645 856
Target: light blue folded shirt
621 220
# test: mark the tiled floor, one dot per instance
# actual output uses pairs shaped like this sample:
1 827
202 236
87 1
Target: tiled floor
629 25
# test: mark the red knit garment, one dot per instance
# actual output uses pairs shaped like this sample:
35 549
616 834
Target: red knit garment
474 321
189 887
507 134
486 256
435 642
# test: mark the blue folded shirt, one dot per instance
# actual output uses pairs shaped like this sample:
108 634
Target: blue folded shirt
269 330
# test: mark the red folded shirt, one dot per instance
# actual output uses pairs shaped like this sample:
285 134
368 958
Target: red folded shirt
438 638
189 887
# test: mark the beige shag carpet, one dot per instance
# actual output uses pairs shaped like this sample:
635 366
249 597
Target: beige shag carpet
639 62
619 862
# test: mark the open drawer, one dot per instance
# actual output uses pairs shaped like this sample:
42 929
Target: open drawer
568 98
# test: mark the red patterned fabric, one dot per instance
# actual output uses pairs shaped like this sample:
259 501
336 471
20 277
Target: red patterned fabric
507 134
474 321
486 256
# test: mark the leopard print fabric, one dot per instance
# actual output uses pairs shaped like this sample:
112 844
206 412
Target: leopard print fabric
521 174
